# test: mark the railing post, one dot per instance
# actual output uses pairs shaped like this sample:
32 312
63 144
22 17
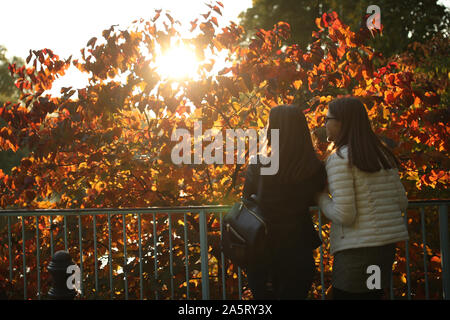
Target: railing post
204 255
443 236
322 281
58 271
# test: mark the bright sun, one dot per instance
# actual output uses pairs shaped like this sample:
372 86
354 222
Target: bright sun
178 62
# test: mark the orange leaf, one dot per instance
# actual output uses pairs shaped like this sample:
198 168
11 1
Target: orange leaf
436 259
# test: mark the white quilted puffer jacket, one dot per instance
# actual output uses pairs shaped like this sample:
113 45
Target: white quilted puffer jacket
380 200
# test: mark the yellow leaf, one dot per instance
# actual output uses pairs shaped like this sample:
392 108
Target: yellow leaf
403 278
224 179
262 84
260 123
386 113
82 165
298 84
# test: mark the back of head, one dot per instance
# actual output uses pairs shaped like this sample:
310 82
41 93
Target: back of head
297 157
365 150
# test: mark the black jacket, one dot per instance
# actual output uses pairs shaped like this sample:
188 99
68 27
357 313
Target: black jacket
286 208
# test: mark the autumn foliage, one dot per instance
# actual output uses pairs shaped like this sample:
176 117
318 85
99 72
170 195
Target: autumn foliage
108 145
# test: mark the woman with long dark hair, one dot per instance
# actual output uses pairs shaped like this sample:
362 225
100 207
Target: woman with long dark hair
366 204
288 268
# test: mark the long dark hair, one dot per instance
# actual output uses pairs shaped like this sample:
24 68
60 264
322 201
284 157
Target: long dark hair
365 150
297 157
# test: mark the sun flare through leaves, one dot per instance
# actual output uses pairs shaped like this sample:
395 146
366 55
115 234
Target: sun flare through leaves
177 62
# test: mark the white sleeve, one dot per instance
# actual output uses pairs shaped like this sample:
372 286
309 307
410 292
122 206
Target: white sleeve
341 207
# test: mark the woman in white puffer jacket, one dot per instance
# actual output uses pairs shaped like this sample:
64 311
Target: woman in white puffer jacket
366 204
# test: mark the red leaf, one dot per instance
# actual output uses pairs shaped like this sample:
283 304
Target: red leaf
29 57
436 259
390 97
214 20
216 9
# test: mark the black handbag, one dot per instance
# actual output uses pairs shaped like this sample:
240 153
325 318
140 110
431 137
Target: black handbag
244 234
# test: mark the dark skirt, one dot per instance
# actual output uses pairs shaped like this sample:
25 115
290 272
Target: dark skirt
286 275
350 267
289 265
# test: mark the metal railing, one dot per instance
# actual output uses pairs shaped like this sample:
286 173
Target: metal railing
197 221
